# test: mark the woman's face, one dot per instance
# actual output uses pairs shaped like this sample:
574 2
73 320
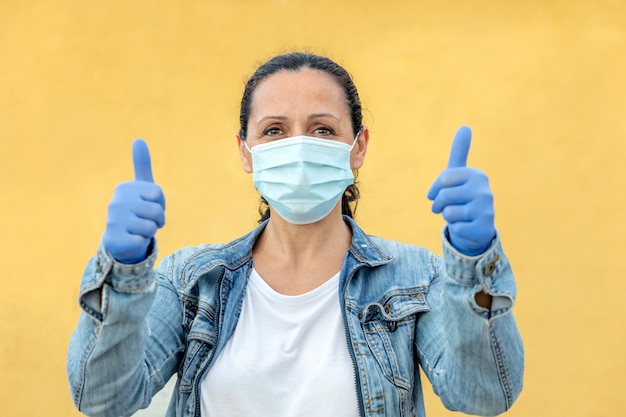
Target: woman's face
306 102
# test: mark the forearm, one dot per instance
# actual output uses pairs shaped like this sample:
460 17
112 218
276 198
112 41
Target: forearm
106 352
483 364
107 358
479 367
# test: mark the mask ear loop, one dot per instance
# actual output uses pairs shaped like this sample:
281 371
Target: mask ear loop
356 138
245 143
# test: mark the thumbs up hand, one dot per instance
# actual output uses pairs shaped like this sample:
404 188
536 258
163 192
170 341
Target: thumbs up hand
136 211
462 195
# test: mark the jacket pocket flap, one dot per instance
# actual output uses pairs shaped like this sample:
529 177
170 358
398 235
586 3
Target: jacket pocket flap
397 305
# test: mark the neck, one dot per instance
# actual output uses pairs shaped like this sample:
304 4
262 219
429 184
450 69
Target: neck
301 241
294 259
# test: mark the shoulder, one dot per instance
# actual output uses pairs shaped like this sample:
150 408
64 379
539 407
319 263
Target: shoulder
410 256
184 267
399 247
375 248
392 258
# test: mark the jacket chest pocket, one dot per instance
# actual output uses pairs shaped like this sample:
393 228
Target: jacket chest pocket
389 331
201 341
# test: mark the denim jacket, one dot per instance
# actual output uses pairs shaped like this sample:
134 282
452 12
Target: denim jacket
403 307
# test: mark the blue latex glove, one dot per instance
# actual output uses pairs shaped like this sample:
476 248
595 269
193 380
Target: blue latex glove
136 211
462 195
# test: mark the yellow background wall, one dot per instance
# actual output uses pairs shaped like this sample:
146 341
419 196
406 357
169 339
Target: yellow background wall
542 83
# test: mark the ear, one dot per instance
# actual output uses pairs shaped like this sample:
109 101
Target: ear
244 155
357 157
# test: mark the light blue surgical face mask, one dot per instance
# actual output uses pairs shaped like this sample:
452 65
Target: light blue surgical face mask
302 177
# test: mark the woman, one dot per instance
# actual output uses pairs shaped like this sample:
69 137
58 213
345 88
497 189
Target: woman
307 314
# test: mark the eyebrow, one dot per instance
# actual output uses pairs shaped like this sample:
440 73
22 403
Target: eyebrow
320 115
311 117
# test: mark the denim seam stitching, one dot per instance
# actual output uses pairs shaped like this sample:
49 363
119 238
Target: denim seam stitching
158 370
78 395
502 374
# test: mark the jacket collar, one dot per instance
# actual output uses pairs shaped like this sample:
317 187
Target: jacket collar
238 252
363 247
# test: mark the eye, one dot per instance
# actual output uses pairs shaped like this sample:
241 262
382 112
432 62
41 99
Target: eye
272 131
324 131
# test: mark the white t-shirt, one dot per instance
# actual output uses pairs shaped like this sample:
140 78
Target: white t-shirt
288 356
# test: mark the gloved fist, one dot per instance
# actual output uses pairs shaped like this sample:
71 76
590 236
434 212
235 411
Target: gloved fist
136 211
462 195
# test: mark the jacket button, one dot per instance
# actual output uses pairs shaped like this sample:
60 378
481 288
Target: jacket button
392 326
489 268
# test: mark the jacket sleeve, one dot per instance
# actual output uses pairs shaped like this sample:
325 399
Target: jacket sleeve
128 340
473 357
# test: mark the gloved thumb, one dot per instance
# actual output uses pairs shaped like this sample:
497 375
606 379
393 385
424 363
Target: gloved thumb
141 161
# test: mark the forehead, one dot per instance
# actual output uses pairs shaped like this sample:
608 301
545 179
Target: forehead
286 91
